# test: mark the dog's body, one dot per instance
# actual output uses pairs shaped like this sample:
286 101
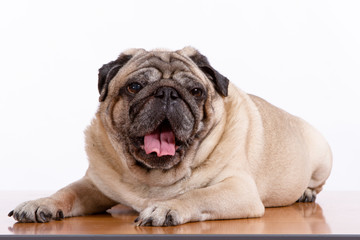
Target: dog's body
228 154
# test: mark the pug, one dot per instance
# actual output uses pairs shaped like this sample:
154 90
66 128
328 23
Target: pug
177 142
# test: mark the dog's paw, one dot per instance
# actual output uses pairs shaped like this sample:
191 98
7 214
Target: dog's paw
161 215
40 210
308 196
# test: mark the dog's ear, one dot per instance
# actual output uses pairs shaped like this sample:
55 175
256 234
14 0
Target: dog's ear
221 83
108 71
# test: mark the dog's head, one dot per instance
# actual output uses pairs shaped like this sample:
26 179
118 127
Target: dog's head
158 106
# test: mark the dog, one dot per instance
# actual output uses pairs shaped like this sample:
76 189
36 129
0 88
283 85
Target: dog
178 142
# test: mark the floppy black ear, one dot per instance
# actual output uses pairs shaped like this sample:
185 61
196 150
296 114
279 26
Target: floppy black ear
221 83
108 71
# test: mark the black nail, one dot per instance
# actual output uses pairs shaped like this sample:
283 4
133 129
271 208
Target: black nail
22 215
59 215
136 220
42 215
169 220
148 222
11 213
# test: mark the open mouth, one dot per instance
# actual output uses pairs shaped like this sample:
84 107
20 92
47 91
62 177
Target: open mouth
161 141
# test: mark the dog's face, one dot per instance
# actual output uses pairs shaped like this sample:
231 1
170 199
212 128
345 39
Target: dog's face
158 106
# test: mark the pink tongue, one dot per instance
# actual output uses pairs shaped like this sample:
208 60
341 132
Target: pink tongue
161 141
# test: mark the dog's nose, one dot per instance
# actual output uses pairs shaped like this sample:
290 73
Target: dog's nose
166 94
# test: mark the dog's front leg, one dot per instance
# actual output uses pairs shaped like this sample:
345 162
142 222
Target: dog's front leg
234 197
78 198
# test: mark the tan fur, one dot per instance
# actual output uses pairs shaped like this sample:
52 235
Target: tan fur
254 156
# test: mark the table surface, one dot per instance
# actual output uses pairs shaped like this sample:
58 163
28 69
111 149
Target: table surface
333 213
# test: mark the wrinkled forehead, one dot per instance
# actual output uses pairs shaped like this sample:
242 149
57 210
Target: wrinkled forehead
156 65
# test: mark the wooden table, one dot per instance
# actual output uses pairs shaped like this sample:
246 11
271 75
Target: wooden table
333 213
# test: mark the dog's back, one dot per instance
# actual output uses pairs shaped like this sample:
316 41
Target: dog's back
295 157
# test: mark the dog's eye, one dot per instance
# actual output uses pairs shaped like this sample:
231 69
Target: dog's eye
134 88
196 92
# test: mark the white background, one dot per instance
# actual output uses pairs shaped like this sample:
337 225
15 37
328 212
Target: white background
303 56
